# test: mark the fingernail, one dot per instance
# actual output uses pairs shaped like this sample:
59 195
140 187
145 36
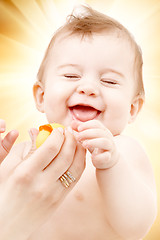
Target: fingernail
60 129
70 129
85 144
75 133
95 151
79 128
2 129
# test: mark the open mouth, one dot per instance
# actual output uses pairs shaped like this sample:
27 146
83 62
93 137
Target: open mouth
84 113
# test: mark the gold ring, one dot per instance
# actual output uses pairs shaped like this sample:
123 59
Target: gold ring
67 178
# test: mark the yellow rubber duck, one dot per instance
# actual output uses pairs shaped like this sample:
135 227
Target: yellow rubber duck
45 131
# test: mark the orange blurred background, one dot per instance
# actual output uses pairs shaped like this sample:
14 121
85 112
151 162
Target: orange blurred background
25 30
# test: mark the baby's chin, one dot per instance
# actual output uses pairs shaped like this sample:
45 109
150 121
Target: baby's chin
116 132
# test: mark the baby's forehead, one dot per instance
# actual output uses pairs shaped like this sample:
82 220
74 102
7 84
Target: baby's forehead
108 49
73 47
89 37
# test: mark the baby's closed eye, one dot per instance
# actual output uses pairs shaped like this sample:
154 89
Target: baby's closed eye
72 76
109 81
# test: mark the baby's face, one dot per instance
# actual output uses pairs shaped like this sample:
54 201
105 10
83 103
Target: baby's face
90 79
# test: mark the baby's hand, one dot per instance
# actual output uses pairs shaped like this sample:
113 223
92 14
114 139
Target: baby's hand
7 142
95 137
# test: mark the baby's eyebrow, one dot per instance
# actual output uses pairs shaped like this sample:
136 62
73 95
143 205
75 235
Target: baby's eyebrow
110 70
68 65
77 66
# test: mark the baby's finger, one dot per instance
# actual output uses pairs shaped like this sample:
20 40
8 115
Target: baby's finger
91 133
75 124
101 143
104 160
90 124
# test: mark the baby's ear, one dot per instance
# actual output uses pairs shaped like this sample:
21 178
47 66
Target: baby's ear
38 93
136 106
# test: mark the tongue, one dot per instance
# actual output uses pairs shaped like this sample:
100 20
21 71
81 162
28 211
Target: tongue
84 113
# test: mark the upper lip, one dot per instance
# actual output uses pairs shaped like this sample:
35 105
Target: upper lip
85 105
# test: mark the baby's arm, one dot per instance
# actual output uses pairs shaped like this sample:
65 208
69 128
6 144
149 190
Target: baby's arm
125 179
7 142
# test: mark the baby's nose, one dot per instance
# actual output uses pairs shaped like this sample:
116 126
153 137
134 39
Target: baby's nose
88 89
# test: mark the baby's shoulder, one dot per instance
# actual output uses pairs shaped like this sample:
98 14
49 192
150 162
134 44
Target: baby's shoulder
135 154
132 151
130 145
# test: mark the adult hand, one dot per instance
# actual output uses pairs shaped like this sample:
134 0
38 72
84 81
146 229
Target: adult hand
7 142
31 191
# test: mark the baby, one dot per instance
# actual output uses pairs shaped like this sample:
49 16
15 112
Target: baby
90 80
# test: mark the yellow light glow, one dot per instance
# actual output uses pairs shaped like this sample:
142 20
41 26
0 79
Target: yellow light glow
25 30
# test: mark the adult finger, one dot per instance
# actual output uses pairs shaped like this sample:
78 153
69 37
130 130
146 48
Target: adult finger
2 126
69 178
64 159
46 152
9 140
79 162
7 143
